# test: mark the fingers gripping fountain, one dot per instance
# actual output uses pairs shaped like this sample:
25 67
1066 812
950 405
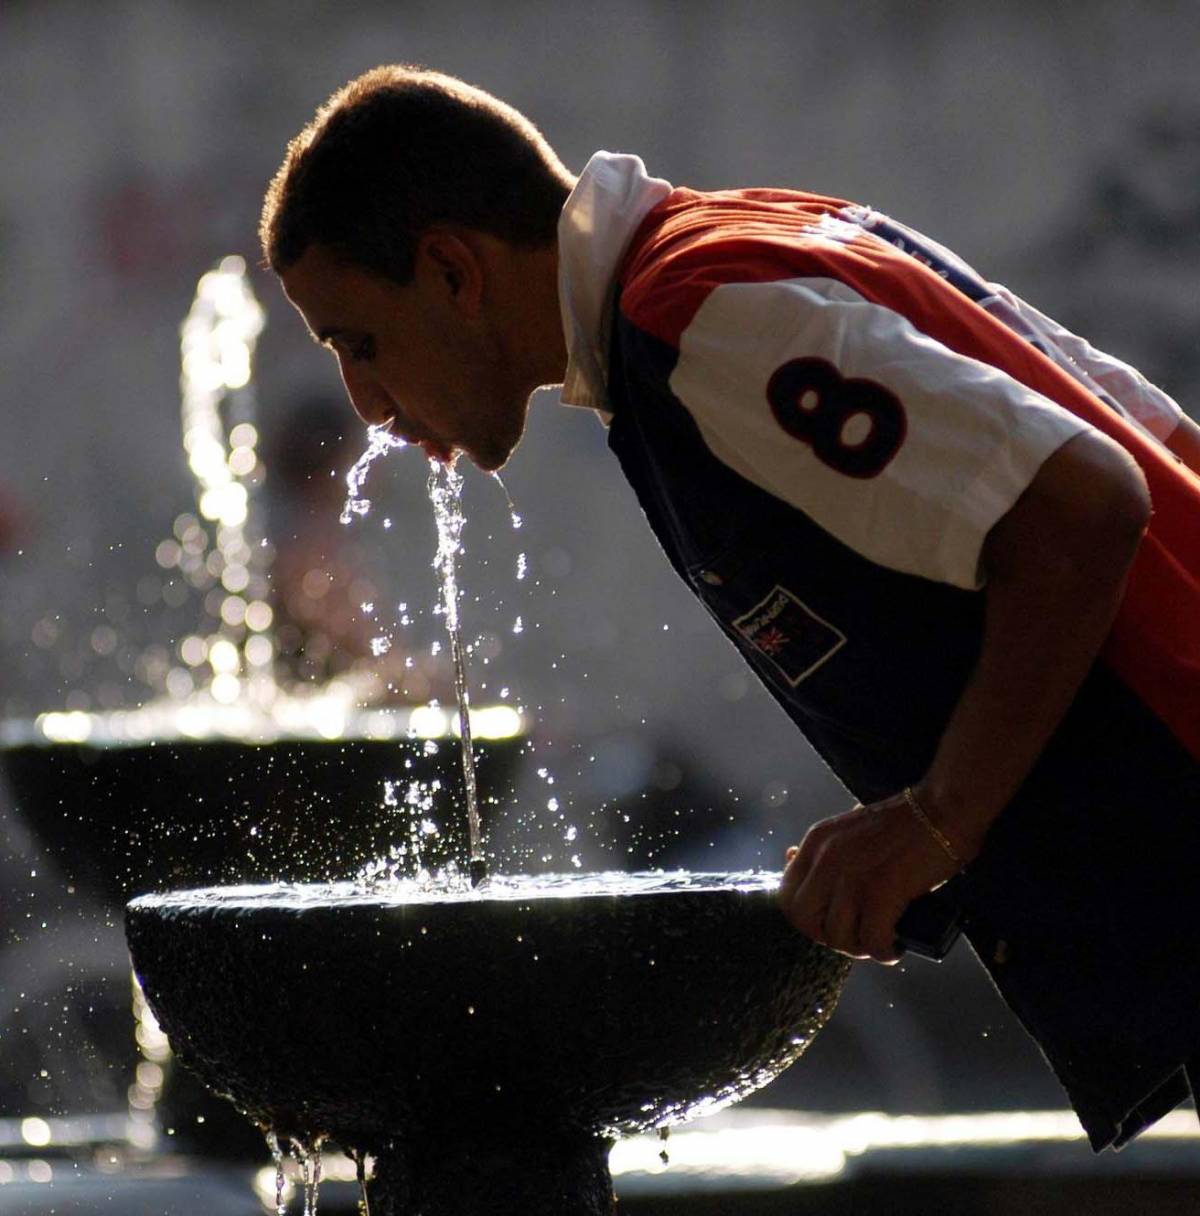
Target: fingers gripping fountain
481 1045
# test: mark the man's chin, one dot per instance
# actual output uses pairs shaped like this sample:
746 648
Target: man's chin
495 455
489 462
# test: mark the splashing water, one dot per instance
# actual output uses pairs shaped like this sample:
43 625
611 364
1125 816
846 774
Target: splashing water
445 492
379 441
406 861
516 523
221 550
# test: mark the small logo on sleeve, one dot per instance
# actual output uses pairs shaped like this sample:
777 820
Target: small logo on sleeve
785 631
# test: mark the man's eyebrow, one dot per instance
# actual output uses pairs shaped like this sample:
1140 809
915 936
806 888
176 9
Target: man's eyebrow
328 334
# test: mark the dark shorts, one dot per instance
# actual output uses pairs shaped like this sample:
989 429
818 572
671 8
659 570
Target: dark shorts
1083 907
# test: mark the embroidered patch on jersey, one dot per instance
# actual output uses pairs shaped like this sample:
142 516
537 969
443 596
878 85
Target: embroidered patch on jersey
787 632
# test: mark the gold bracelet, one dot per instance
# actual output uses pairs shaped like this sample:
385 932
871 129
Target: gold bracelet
932 828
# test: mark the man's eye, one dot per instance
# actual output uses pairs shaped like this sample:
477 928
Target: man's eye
361 350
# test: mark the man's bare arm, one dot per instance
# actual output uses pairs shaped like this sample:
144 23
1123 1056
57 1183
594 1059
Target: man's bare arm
1056 565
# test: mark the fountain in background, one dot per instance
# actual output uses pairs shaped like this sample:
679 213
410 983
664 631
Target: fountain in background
225 773
228 775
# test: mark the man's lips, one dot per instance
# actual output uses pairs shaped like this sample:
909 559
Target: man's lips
436 451
433 448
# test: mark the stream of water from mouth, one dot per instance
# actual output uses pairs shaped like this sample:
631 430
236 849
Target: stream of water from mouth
445 493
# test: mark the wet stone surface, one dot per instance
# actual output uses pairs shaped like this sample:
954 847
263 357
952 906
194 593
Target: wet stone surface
420 1029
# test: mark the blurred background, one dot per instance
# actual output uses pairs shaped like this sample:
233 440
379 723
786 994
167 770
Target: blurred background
1056 147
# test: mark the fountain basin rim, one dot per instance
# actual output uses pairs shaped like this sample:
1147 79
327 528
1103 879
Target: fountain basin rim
180 724
500 890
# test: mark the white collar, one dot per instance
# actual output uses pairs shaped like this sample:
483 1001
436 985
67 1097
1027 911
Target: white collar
613 195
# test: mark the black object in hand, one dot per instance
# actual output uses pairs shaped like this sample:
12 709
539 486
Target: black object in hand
929 926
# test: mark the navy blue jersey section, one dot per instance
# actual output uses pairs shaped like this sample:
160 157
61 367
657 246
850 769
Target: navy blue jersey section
867 661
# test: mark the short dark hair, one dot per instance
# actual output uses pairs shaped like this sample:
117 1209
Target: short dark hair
400 149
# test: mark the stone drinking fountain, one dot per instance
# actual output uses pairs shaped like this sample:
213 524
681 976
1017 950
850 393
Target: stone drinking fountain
483 1048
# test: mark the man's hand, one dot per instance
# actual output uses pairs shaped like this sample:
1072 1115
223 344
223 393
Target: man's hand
852 876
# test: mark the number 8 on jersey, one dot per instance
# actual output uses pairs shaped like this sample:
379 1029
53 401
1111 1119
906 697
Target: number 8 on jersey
816 404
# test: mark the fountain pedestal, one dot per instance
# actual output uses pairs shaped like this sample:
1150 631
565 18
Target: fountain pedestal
537 1174
484 1045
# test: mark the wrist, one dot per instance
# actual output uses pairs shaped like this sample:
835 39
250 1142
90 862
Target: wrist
961 819
932 831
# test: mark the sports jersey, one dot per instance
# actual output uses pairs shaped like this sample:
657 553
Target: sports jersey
823 414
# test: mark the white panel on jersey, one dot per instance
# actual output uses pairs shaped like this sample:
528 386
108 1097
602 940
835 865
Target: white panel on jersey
1146 403
613 195
973 437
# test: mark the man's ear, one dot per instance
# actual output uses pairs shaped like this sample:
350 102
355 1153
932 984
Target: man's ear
456 265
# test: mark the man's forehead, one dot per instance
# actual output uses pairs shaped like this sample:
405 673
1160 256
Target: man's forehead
309 275
331 293
317 287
